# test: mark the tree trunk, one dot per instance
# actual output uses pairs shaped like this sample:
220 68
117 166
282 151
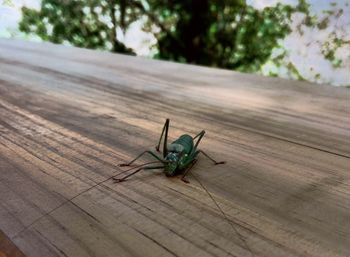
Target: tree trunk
114 41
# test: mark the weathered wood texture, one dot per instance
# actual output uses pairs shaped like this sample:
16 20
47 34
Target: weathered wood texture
68 116
8 248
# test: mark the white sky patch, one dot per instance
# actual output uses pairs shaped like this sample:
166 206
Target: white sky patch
261 4
10 16
135 38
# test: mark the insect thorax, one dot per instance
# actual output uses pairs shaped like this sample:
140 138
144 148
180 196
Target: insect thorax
185 142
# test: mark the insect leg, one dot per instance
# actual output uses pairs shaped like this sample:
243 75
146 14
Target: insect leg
132 161
136 167
206 155
200 135
165 129
187 170
118 180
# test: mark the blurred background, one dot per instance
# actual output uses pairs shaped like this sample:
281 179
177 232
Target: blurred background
296 39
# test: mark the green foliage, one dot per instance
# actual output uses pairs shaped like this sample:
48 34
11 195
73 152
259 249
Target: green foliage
326 33
226 33
7 3
323 24
83 23
335 38
295 71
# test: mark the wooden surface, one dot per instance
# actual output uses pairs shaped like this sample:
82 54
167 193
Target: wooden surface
68 116
8 248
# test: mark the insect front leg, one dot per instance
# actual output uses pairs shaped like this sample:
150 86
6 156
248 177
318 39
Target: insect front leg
147 151
187 171
210 158
200 136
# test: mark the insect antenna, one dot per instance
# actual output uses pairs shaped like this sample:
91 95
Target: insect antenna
225 216
77 195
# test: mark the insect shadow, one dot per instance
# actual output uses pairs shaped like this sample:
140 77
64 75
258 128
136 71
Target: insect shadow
177 157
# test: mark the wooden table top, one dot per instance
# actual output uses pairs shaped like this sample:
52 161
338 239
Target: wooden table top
68 116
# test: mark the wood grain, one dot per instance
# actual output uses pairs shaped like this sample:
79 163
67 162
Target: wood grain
68 116
7 248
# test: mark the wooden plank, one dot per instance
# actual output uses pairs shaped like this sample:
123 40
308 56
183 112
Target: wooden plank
68 116
7 248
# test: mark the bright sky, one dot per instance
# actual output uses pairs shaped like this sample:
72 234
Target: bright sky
304 53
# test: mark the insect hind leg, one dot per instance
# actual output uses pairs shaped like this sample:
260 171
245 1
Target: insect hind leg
140 155
199 136
118 180
164 131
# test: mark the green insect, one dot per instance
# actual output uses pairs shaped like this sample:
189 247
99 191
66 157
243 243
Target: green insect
178 157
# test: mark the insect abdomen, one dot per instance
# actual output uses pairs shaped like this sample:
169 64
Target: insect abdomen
186 141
